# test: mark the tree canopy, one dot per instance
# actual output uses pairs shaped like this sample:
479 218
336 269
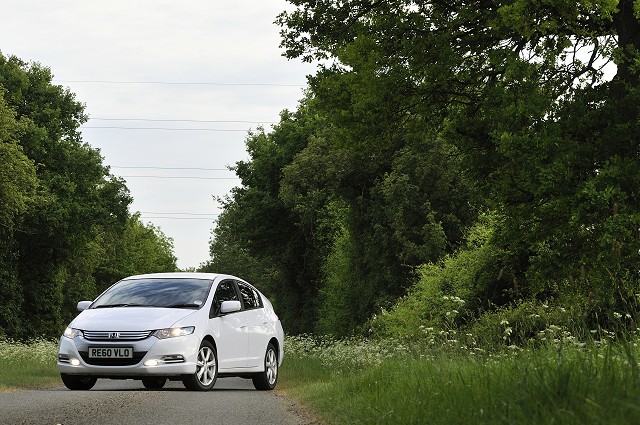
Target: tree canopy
61 211
429 114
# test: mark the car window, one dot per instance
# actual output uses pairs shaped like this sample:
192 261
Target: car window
250 297
181 293
226 291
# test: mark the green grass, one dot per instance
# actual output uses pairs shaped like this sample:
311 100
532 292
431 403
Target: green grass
30 365
542 386
364 382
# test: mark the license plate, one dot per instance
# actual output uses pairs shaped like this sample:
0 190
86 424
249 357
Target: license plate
110 352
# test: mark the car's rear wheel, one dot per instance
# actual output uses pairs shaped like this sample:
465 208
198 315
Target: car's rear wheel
268 379
77 382
206 369
154 383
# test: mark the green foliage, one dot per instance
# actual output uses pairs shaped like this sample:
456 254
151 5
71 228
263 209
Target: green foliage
451 292
65 228
424 114
28 365
18 184
390 386
548 139
139 248
533 323
475 293
339 225
17 175
261 237
344 296
53 247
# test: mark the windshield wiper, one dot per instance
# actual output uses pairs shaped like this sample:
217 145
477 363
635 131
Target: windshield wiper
191 305
122 305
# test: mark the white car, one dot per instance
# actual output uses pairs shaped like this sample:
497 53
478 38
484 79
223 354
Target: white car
193 327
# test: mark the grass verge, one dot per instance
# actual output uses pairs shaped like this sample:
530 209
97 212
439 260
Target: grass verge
363 382
547 385
29 365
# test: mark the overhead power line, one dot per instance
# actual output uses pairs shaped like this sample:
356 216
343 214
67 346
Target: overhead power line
176 218
180 213
179 83
183 177
162 128
180 120
172 168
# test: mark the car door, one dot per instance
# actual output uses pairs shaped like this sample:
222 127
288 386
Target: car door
233 340
257 324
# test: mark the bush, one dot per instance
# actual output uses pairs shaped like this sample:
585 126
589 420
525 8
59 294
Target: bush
448 294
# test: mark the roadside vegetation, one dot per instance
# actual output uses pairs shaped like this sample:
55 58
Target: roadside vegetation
456 200
447 150
28 365
389 382
458 196
438 381
436 357
66 232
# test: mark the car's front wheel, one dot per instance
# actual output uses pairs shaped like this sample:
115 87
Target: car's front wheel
206 369
154 383
76 382
268 379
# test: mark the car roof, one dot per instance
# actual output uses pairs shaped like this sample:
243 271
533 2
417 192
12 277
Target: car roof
180 275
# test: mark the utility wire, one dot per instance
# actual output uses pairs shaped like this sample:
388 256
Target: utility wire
179 120
177 218
183 177
161 128
180 83
178 213
173 168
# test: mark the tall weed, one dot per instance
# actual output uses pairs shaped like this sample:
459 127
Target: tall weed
29 364
550 384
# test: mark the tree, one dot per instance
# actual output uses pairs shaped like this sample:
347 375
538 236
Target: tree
264 238
18 185
520 90
138 249
65 229
54 254
321 224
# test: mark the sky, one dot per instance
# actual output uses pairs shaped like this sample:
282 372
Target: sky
171 90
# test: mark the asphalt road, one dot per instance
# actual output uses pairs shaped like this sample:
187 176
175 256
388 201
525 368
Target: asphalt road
232 401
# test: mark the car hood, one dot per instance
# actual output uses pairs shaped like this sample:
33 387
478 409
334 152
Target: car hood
129 318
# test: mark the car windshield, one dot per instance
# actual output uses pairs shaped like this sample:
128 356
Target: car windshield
171 293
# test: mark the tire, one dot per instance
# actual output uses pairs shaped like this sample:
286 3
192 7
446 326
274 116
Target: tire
267 380
206 369
154 383
78 382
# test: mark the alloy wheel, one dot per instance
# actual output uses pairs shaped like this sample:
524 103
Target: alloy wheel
206 366
271 365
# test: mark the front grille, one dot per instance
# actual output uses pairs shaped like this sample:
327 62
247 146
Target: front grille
116 336
137 356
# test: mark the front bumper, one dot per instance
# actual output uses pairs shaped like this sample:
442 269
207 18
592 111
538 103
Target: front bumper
152 357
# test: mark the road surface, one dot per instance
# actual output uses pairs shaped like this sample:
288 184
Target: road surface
232 401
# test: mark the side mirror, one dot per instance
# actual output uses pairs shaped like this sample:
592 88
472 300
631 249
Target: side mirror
83 305
230 307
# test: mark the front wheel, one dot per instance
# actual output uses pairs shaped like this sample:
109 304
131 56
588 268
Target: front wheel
77 382
206 369
267 380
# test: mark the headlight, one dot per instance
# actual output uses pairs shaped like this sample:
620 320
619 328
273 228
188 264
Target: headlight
72 333
173 332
